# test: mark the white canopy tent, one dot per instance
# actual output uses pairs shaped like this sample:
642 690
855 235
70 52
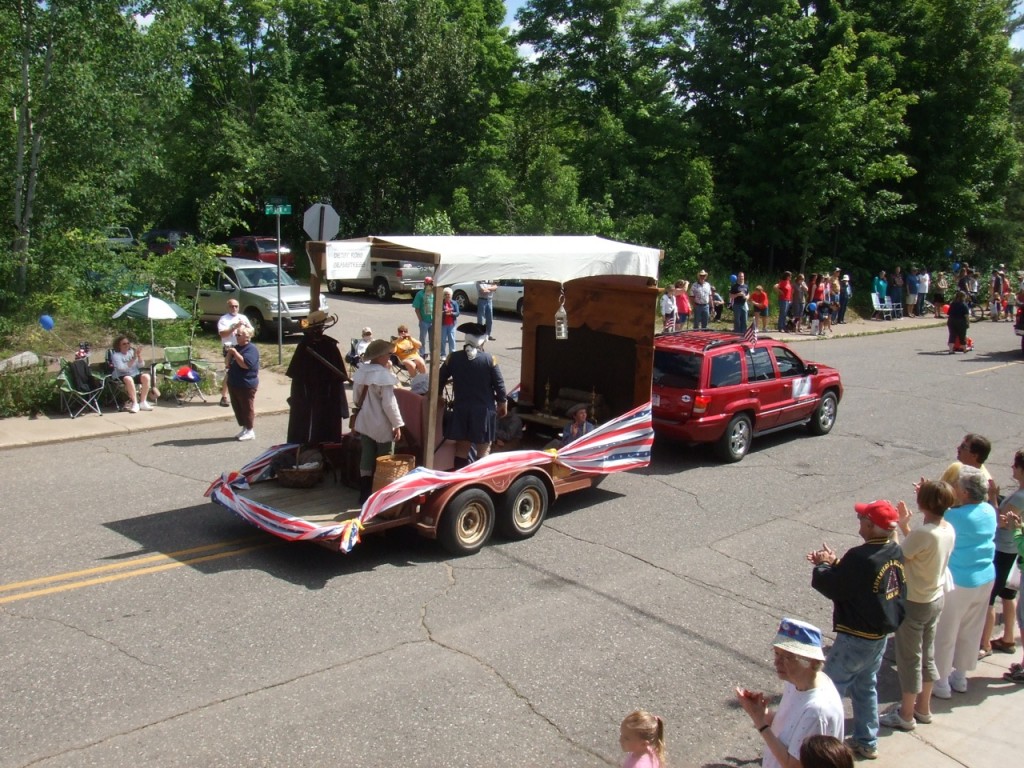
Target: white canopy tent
468 258
460 259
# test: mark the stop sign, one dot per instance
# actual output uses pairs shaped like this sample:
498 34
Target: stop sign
321 221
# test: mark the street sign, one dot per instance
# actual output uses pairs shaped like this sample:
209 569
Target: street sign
277 210
321 221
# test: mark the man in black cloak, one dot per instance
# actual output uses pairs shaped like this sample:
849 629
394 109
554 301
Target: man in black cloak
318 400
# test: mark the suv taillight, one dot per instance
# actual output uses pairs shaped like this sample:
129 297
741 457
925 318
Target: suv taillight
701 403
398 274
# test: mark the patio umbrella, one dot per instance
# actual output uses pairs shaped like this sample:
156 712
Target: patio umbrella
152 308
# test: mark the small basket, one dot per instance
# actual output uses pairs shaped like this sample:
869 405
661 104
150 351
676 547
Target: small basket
390 468
293 477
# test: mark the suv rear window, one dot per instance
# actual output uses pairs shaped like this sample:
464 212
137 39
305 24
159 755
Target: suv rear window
678 370
726 370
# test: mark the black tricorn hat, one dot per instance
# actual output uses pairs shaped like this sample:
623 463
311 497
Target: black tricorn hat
473 329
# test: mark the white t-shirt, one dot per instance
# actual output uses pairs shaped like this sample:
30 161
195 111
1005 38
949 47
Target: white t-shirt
226 321
818 711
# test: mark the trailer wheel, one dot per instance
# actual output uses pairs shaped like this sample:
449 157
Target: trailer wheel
467 522
523 507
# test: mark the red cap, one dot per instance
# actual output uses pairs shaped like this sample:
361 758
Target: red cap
881 513
428 279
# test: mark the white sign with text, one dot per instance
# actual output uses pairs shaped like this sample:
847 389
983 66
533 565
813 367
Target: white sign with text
347 261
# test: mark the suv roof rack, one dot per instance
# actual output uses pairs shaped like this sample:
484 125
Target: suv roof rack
703 340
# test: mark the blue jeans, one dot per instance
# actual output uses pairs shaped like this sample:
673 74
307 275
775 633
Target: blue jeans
701 316
485 313
447 340
426 336
739 318
783 314
852 665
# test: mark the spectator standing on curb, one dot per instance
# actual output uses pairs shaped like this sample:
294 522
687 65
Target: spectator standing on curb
913 287
784 290
227 325
243 364
1005 557
867 588
810 704
939 293
759 300
1015 674
800 291
924 287
423 306
668 309
845 294
682 303
926 552
963 615
700 301
896 283
485 305
738 294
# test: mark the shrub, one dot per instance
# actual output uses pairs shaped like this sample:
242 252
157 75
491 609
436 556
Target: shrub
27 392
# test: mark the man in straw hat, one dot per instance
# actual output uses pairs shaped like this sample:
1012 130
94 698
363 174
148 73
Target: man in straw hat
317 400
376 418
810 703
479 395
867 588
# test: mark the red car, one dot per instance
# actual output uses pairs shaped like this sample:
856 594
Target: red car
717 387
261 248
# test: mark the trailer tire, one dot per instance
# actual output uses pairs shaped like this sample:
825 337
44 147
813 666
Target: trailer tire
523 508
467 522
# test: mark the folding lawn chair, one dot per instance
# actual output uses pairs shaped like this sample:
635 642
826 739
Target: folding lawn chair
113 386
79 387
895 307
180 366
884 311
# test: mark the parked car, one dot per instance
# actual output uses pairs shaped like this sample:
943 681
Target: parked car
508 297
254 284
163 241
716 387
386 278
261 248
119 238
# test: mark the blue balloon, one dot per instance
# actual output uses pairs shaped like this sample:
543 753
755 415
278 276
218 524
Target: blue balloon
732 278
956 266
46 321
812 307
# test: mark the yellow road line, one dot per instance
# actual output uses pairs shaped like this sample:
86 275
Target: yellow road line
126 564
140 572
992 368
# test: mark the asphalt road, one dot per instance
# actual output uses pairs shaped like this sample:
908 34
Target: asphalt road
142 626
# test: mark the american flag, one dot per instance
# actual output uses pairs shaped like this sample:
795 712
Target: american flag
750 335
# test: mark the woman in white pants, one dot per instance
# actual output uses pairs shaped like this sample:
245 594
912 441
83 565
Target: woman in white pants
963 615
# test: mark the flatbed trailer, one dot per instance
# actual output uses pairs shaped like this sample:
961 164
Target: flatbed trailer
607 292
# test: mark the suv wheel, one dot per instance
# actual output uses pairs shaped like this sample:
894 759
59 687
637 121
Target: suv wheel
462 300
259 327
519 308
381 289
734 444
333 286
824 417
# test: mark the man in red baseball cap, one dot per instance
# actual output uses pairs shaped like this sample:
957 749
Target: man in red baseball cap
867 589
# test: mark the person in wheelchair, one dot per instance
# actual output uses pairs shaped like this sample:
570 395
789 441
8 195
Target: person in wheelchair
127 366
407 350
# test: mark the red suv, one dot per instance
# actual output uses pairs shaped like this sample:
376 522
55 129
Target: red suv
260 248
716 387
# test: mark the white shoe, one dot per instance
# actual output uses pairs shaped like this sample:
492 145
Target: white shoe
941 690
247 435
892 719
145 406
134 408
240 433
958 681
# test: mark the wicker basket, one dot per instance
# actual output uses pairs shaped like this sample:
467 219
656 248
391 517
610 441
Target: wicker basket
390 468
293 477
